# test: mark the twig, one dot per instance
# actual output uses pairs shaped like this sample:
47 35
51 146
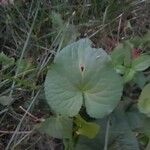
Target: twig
32 116
20 123
119 27
101 28
12 132
2 111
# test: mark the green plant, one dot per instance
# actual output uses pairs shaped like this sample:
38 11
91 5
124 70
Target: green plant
82 76
114 116
128 59
82 81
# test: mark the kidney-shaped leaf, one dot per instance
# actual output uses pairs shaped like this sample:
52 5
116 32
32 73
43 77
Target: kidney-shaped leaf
82 75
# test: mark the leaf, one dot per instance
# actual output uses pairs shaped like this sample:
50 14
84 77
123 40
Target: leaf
6 61
121 55
85 128
140 79
141 63
129 75
118 55
58 127
120 69
82 75
5 100
138 121
144 100
120 136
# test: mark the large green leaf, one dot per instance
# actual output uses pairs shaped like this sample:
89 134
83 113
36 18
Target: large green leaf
82 75
58 127
144 100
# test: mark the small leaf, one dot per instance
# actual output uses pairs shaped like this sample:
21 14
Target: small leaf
129 74
85 128
141 63
121 55
5 100
58 127
120 69
144 100
140 79
6 61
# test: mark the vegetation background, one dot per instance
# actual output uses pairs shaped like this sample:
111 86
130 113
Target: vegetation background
31 33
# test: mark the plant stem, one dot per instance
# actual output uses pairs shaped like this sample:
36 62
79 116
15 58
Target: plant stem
107 134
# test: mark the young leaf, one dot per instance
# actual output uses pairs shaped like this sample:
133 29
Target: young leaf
85 128
121 55
140 79
144 100
129 74
82 75
6 61
141 63
58 127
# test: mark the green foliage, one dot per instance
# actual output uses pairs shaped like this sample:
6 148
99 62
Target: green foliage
140 80
85 128
141 63
144 100
58 127
81 81
127 60
122 131
6 61
82 75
